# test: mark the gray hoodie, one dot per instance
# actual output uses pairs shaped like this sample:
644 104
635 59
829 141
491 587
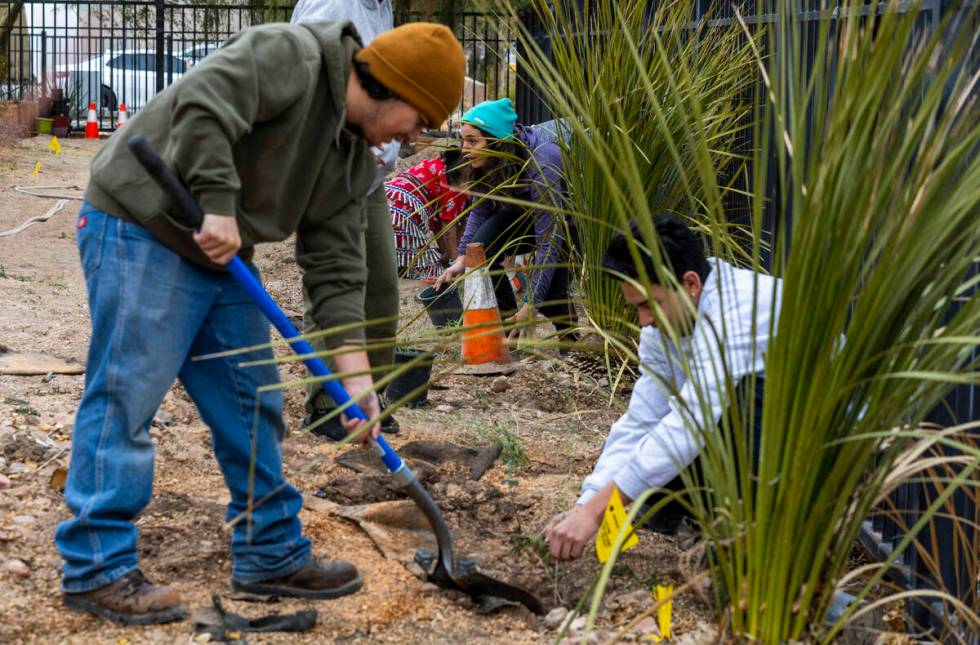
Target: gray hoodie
370 18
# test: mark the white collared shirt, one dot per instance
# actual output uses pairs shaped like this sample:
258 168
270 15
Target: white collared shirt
651 443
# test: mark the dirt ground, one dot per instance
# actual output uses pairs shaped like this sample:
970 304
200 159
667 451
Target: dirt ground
551 423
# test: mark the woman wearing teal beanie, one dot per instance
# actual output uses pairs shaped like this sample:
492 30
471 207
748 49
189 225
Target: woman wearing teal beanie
510 160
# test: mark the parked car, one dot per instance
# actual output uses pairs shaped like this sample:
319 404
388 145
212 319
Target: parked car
193 55
128 76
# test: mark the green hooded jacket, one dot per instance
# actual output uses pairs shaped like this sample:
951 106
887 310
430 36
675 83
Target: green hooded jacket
257 130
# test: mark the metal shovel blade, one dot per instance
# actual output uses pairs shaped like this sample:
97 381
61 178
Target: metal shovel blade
461 574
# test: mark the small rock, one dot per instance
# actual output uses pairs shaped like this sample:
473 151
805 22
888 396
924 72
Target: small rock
19 467
5 482
16 567
647 626
575 638
24 519
444 408
30 419
555 617
64 419
702 633
500 384
428 588
640 599
163 418
603 382
579 624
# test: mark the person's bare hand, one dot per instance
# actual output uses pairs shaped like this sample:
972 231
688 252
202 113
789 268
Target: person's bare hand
353 361
218 237
519 329
455 270
357 386
567 539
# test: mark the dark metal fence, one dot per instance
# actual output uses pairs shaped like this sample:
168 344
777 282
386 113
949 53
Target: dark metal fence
114 53
124 52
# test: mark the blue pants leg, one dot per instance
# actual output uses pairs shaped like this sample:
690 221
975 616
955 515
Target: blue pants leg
151 312
267 542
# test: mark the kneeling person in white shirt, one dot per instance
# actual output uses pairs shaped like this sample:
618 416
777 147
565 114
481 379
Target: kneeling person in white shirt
652 443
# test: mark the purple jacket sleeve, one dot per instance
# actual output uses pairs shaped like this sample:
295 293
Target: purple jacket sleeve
478 215
544 176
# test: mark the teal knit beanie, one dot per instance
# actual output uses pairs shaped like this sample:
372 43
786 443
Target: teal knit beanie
496 118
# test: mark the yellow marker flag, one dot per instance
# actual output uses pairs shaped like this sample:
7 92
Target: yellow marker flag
612 520
37 168
55 146
663 611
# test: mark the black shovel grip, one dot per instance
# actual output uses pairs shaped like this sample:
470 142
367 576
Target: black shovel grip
188 210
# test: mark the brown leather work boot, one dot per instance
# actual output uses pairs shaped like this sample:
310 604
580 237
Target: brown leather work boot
130 600
316 580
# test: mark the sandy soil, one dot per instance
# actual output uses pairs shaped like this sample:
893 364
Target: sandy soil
555 418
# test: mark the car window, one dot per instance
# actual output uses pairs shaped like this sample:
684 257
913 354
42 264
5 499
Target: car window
123 61
179 66
146 62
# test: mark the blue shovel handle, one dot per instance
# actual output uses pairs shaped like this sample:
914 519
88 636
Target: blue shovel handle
190 213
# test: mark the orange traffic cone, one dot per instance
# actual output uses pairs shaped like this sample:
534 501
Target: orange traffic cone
484 348
92 124
123 117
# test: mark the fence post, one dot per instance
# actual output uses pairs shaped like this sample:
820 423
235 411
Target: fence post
160 46
44 63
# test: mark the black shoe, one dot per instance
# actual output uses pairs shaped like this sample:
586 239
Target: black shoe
315 580
389 425
330 429
670 520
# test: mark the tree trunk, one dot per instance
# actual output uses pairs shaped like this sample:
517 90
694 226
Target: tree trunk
11 19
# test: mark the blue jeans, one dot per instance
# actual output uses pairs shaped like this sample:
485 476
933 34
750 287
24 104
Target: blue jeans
152 311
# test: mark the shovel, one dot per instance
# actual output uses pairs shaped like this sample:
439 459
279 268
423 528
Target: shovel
443 569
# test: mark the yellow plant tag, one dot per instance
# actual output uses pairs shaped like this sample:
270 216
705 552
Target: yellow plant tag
37 167
612 520
55 146
663 611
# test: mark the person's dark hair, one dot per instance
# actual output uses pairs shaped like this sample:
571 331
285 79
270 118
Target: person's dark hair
501 167
458 171
681 247
370 84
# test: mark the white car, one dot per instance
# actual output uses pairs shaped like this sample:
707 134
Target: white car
194 55
128 76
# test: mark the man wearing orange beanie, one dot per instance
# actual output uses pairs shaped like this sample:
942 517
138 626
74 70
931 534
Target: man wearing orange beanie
271 134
